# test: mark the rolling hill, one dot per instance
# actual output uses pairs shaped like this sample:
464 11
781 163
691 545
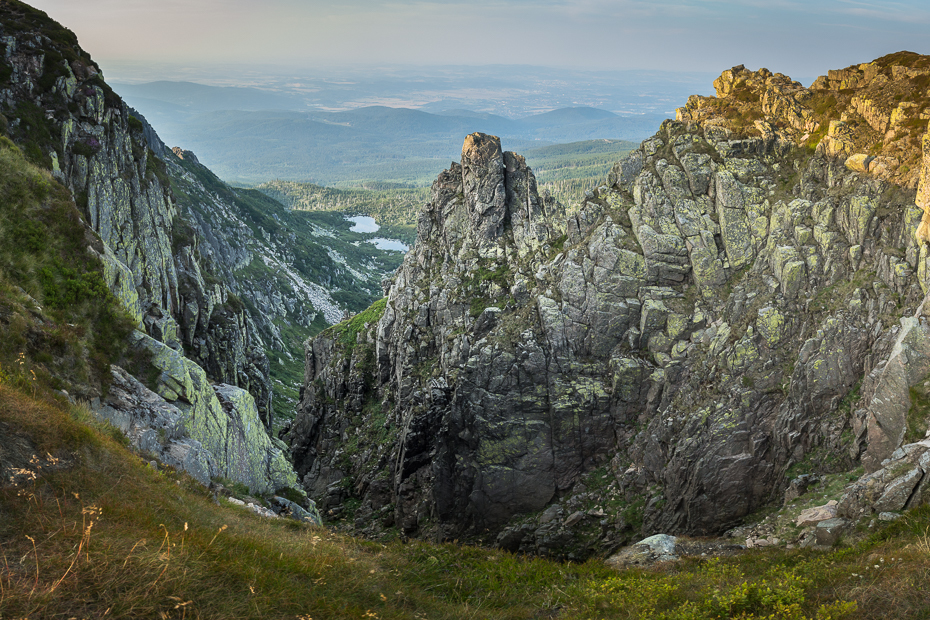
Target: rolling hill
249 136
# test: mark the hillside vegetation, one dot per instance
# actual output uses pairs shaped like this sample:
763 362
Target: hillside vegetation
568 170
319 247
91 530
394 209
59 322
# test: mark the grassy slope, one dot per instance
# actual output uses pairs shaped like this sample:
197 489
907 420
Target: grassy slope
311 257
89 530
56 313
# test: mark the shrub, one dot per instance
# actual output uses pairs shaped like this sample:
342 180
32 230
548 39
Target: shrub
347 331
135 124
87 147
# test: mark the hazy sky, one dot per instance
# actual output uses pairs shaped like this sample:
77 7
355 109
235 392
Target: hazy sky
800 38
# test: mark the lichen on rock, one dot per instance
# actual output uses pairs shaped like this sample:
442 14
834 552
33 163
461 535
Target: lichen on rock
701 325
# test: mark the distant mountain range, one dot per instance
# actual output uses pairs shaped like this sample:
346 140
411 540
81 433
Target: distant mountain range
250 136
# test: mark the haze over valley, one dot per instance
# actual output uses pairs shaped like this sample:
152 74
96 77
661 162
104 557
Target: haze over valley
400 124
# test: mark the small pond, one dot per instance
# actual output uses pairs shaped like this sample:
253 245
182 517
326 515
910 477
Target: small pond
389 244
363 224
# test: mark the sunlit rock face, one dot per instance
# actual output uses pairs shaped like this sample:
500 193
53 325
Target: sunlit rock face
722 312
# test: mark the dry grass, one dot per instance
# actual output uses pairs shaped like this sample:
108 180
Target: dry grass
110 537
93 532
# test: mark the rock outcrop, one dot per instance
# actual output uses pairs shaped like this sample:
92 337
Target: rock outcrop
209 429
725 310
873 114
154 427
67 117
900 483
151 217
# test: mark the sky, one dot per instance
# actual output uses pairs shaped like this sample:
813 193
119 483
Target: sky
795 37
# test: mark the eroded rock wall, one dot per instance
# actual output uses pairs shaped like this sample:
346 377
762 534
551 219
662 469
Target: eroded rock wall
214 409
105 157
718 314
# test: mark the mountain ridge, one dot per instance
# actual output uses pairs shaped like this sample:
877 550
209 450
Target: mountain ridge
723 312
215 278
352 146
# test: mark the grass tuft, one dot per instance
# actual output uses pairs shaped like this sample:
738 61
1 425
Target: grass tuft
93 531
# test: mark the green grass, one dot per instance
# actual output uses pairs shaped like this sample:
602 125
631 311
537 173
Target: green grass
106 534
347 331
288 373
74 328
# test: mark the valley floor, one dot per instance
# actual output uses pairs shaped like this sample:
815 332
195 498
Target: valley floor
89 529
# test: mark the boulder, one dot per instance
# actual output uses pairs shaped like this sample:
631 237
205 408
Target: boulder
813 516
900 483
829 531
652 550
297 512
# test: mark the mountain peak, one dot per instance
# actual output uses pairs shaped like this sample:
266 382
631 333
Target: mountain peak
185 155
873 115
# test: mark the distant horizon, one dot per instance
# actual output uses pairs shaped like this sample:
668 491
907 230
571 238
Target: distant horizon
796 38
512 91
239 74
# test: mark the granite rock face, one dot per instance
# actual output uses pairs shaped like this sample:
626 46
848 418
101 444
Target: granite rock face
725 308
156 259
107 158
154 426
206 429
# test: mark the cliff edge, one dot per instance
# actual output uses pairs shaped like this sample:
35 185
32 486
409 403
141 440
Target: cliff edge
723 315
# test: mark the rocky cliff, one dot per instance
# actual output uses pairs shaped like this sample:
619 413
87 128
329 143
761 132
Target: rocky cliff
66 118
179 248
723 314
65 115
291 274
215 270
